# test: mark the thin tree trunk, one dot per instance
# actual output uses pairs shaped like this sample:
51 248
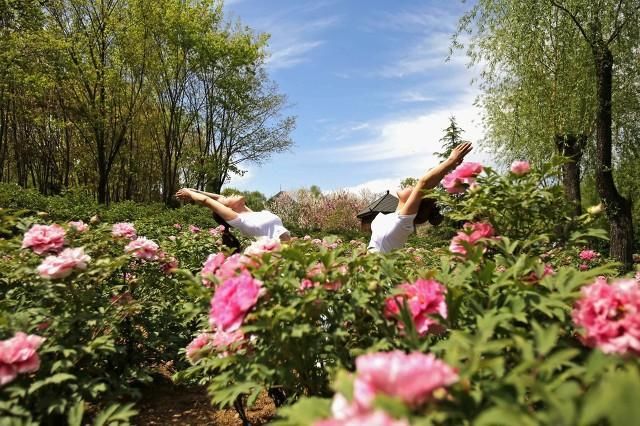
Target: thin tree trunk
571 146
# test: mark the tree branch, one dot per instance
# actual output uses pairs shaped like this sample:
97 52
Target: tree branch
575 20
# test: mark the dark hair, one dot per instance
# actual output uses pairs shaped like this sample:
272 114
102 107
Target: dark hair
228 239
428 211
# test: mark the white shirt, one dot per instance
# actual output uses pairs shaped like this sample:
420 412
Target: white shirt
259 224
390 231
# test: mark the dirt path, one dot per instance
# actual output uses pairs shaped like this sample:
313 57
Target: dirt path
168 404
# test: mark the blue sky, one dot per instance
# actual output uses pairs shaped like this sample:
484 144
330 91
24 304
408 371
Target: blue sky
369 85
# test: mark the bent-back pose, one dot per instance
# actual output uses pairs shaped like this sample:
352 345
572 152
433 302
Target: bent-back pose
391 231
234 211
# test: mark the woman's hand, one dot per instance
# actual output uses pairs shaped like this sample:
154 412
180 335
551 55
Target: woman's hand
184 194
459 152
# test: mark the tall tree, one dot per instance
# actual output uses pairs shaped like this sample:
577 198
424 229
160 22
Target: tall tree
107 45
545 85
452 138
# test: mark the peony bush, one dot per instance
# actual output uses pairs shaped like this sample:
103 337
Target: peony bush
499 325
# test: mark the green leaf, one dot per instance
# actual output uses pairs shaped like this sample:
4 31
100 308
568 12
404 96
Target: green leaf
305 412
74 417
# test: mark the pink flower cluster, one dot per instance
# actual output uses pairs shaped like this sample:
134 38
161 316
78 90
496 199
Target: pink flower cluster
610 315
44 238
470 235
19 355
262 245
61 266
224 268
534 278
520 168
124 230
463 176
220 341
232 300
317 274
587 256
412 378
143 248
423 298
79 226
194 229
217 231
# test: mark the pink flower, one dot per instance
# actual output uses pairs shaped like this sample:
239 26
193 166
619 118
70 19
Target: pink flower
217 231
306 237
410 377
177 226
18 355
143 248
233 300
124 230
211 266
306 284
61 266
610 315
588 255
583 267
423 298
222 268
471 234
79 226
464 175
169 264
533 277
262 245
44 238
374 418
194 229
520 168
207 343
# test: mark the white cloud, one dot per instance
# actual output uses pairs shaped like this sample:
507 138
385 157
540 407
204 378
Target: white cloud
291 55
377 186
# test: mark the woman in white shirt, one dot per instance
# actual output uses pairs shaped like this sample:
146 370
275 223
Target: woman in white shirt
235 212
391 231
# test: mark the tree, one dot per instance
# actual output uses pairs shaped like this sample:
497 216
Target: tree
409 182
549 83
107 46
452 138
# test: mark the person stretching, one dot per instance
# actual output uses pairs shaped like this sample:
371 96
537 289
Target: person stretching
391 231
235 212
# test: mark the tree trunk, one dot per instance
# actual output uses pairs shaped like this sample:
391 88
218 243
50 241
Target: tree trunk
571 146
617 207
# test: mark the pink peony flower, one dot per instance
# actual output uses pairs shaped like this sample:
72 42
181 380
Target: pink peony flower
609 314
194 229
210 267
588 255
423 298
79 226
306 237
262 245
533 277
520 168
306 284
143 248
464 175
206 343
583 267
471 234
177 226
124 230
217 231
374 418
44 238
61 266
410 377
233 300
169 264
19 355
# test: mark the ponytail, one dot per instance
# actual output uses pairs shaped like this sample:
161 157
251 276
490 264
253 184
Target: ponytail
228 239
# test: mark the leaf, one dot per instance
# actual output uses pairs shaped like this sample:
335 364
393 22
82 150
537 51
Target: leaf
305 412
115 414
546 338
503 416
74 417
55 379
